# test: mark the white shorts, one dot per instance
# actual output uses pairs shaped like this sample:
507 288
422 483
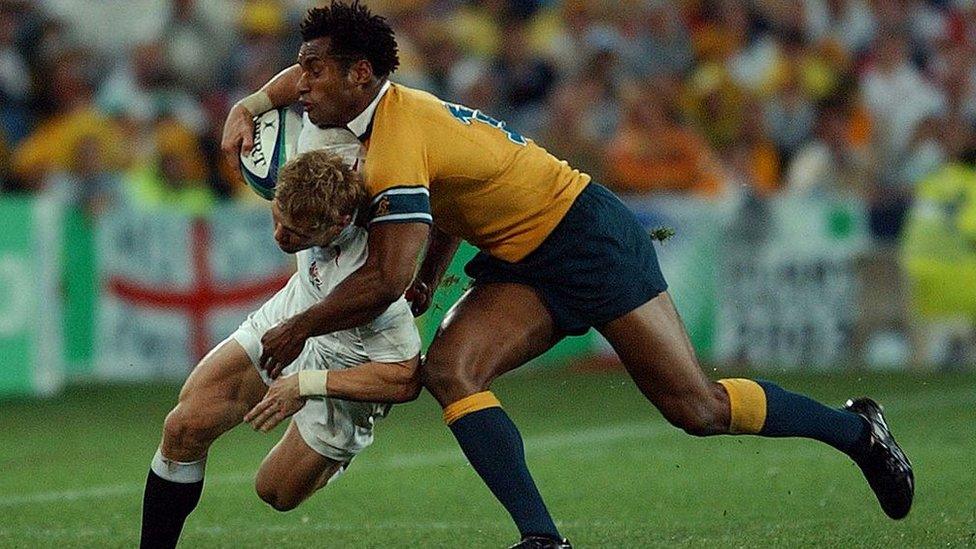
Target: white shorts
337 429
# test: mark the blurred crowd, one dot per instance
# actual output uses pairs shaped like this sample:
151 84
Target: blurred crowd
864 98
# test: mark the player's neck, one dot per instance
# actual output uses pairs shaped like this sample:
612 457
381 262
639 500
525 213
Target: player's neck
368 96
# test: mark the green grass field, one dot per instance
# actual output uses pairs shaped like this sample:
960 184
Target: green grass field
613 472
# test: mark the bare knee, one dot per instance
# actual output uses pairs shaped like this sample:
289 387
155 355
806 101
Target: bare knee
278 500
275 495
448 376
187 434
699 414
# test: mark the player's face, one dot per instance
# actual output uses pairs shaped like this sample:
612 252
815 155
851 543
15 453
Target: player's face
292 237
328 91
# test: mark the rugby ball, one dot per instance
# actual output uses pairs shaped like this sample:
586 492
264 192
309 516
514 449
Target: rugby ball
275 142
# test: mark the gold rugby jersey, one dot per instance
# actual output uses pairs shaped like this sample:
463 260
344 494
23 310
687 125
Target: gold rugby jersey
480 180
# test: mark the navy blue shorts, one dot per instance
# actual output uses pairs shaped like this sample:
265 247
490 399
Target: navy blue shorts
597 264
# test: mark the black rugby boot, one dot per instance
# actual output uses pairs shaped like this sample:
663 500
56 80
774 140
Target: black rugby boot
542 542
883 462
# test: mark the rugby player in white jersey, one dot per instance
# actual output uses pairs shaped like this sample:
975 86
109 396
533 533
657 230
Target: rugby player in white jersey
337 387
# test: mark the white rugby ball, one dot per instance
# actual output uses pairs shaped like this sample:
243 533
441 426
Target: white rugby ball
275 142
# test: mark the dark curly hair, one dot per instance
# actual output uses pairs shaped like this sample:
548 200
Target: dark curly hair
354 33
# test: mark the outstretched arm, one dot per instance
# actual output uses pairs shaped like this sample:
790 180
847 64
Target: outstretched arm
440 250
280 91
370 382
375 382
394 249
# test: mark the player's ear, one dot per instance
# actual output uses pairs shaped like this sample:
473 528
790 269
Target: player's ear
360 73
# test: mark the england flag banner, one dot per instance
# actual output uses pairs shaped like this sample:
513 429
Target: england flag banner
171 287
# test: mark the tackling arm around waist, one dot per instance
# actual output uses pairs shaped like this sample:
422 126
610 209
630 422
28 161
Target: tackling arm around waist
369 382
366 293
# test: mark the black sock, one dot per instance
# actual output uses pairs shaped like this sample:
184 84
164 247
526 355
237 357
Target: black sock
494 448
165 506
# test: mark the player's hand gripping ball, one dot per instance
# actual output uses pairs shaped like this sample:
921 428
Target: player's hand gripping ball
275 141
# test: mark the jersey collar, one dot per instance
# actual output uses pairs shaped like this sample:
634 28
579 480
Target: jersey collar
346 234
362 124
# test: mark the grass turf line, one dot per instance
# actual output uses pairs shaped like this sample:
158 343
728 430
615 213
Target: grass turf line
613 473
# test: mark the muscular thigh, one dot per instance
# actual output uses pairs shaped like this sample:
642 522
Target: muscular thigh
492 329
223 386
652 343
225 374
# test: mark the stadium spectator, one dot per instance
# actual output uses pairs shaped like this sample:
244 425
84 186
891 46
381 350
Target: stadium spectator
440 54
566 134
897 95
476 26
751 156
144 87
654 153
45 42
473 83
416 26
557 71
569 32
658 42
790 115
954 72
87 181
938 250
754 62
194 44
15 79
712 103
829 164
73 118
173 178
849 24
819 69
525 78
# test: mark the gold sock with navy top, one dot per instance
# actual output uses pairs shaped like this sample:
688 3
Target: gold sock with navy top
766 409
493 446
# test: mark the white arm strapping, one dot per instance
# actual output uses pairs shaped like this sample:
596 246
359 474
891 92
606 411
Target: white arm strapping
313 383
257 103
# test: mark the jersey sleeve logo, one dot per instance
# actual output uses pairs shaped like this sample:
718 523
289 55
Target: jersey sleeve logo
313 275
382 207
401 205
466 115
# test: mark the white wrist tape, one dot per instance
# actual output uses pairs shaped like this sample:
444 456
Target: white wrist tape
257 103
313 383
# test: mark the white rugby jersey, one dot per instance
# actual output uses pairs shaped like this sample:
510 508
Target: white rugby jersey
338 429
322 268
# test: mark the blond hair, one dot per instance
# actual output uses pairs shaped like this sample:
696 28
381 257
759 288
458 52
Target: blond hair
317 188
